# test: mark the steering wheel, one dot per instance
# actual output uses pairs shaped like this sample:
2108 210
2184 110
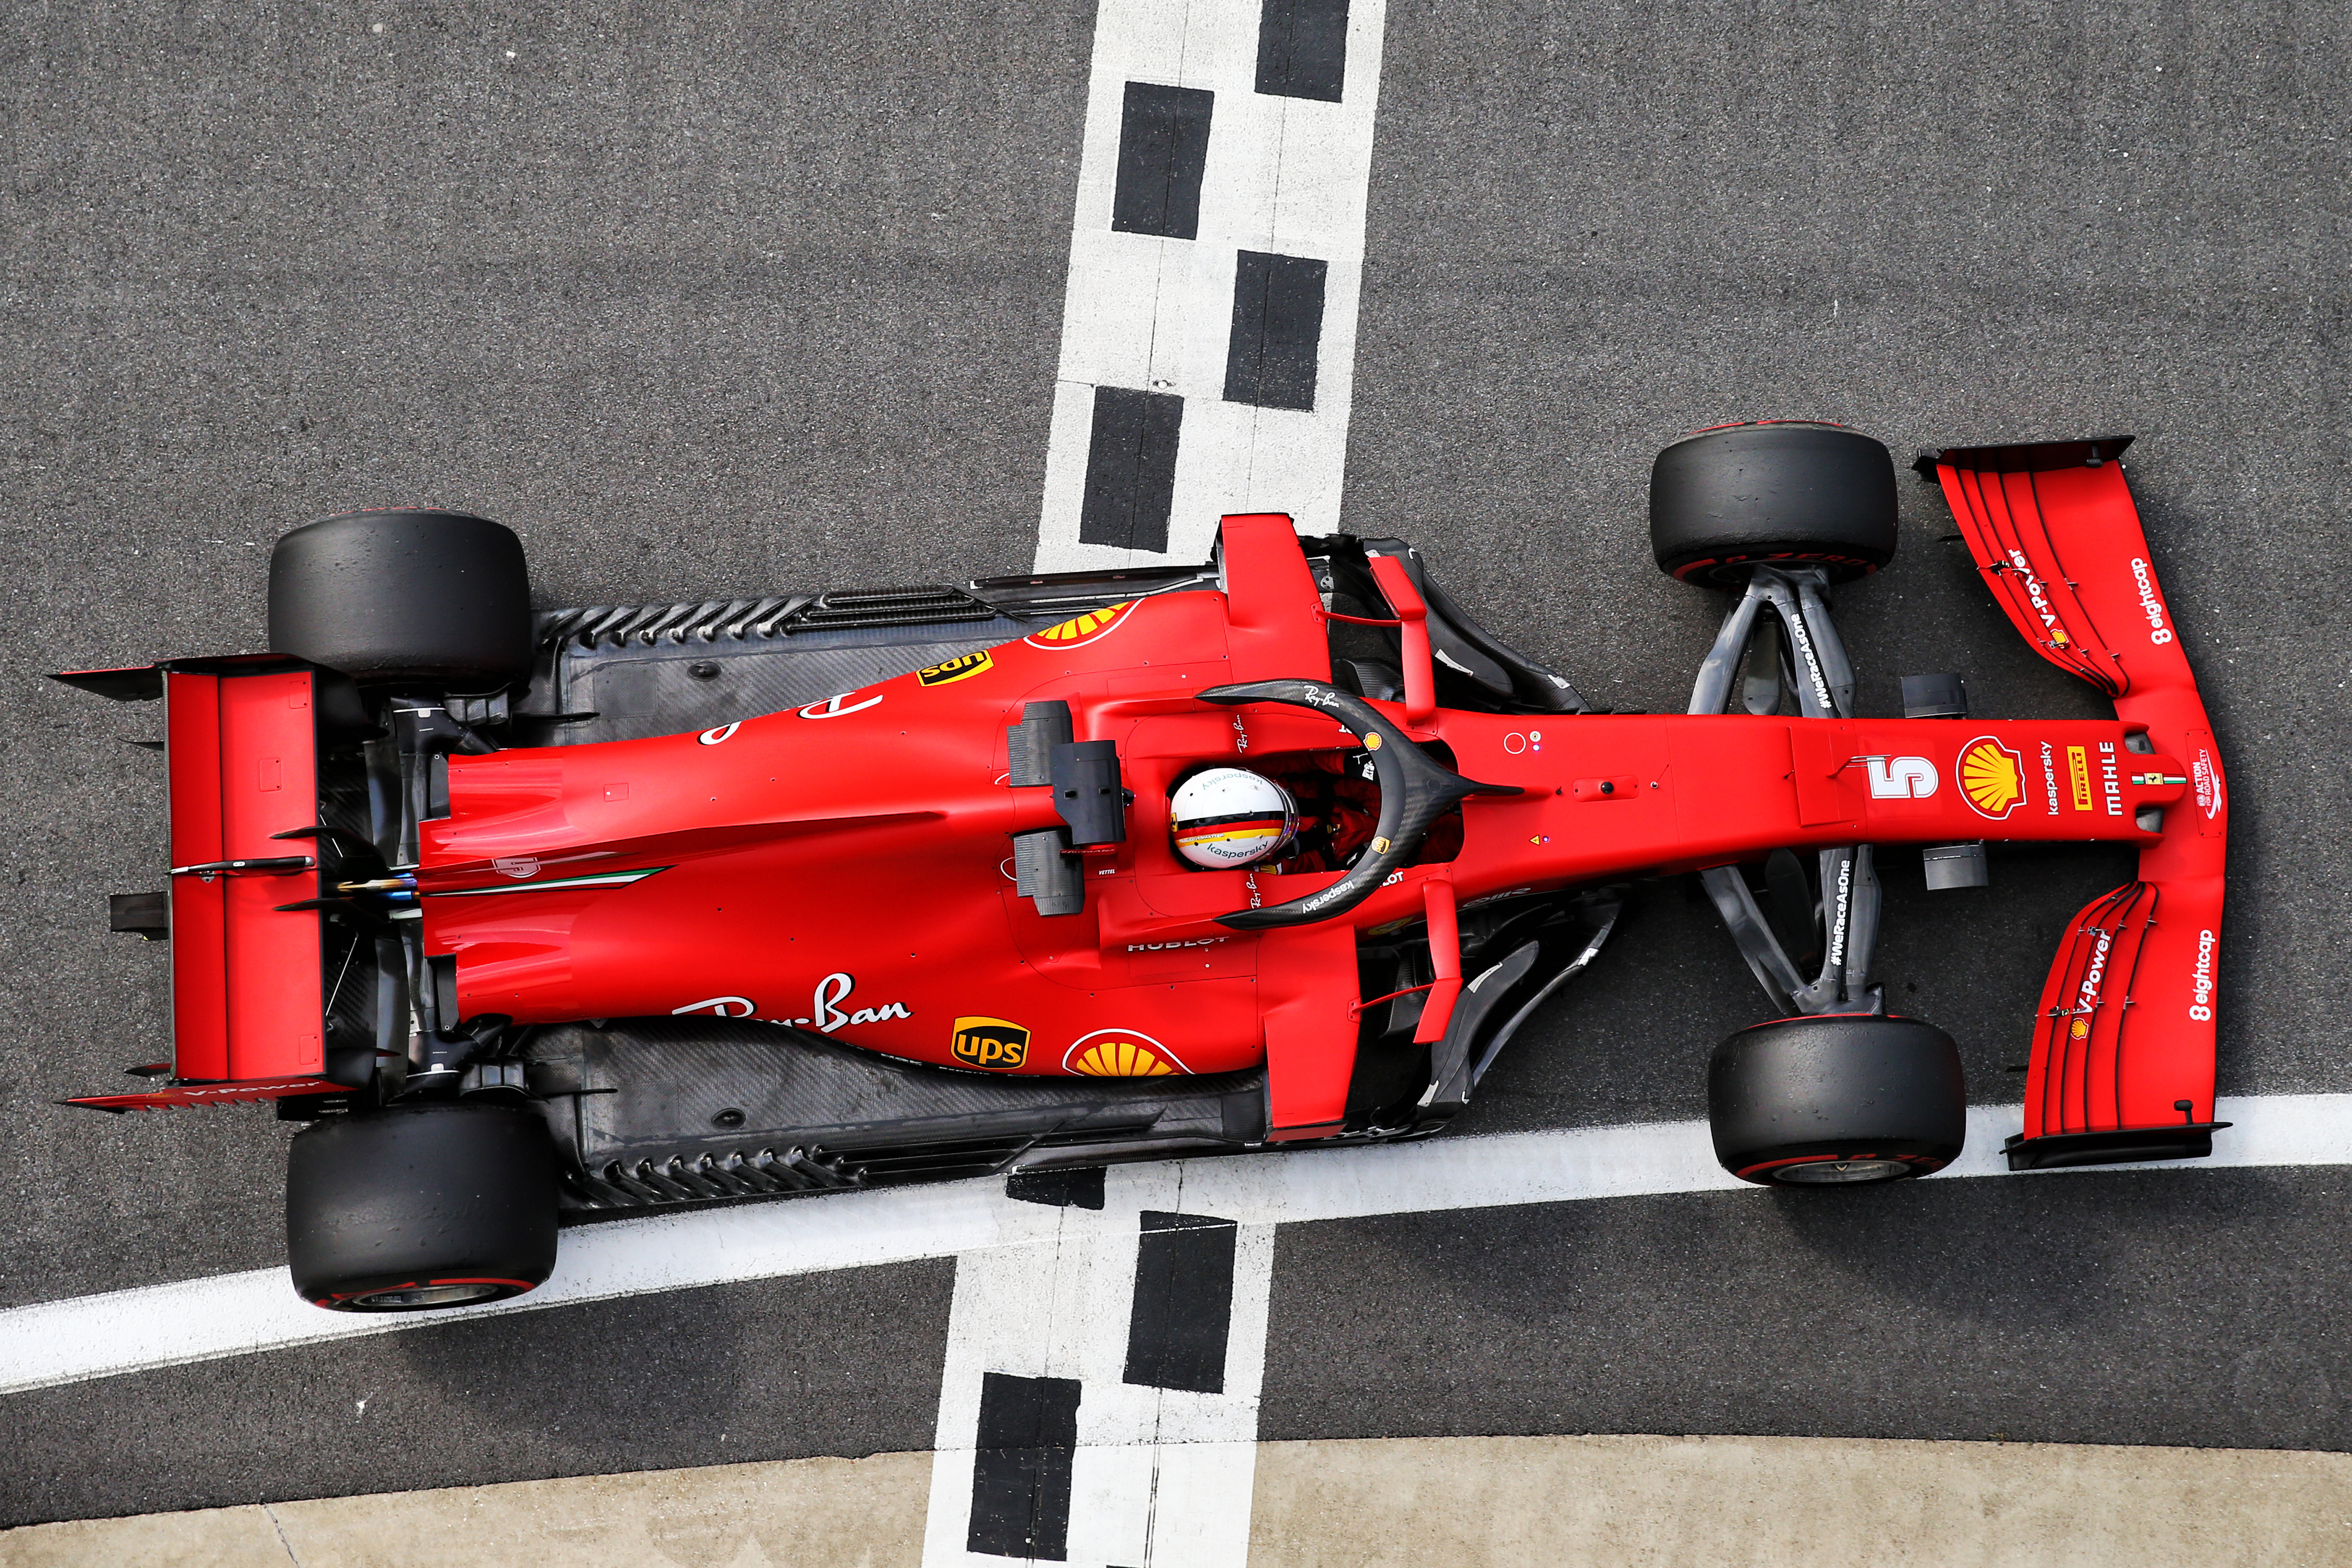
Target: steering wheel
1415 789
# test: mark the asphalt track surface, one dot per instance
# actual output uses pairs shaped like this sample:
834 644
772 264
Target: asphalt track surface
746 299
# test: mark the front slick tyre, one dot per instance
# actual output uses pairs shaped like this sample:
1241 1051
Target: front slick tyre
1779 493
1836 1101
420 1206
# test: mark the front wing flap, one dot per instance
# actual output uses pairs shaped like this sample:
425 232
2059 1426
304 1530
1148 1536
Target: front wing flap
2123 1062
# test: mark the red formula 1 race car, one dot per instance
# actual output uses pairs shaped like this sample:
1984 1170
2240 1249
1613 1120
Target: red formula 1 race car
622 906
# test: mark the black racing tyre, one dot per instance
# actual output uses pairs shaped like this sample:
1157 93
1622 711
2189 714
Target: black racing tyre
440 597
1777 493
419 1207
1836 1101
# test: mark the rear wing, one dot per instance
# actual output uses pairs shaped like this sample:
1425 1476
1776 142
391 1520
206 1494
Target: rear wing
2123 1060
249 991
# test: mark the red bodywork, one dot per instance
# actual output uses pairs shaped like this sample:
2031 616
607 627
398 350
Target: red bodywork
2123 1039
247 997
245 979
846 867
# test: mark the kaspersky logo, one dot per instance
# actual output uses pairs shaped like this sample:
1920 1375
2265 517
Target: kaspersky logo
955 669
995 1043
1080 631
1991 777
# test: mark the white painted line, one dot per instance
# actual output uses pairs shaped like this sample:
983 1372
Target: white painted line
1284 174
239 1314
1161 1476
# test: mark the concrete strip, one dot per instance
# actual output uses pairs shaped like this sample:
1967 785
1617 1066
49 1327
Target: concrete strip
207 1538
1478 1502
844 1513
1635 1502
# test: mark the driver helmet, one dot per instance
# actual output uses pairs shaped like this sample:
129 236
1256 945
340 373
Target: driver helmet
1223 818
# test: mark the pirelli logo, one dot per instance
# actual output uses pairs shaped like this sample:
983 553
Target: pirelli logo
2078 773
962 667
994 1043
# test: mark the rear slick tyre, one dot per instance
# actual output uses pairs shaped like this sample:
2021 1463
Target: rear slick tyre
1843 1100
1776 493
441 598
420 1206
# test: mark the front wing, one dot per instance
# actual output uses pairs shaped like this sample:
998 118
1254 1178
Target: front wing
2123 1060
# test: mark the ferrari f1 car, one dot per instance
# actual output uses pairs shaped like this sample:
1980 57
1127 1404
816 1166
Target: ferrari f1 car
611 908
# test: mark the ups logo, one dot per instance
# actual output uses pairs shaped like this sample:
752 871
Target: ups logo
990 1043
962 668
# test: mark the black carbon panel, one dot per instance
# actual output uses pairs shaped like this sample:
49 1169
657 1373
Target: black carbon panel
652 1088
632 667
637 691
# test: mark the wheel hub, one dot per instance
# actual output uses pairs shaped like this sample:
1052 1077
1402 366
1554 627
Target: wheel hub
421 1296
1835 1172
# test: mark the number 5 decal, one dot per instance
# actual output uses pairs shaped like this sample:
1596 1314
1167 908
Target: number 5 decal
1901 778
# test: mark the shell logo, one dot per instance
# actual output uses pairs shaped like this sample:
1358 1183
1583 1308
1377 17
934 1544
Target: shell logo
1121 1053
1993 777
1080 631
